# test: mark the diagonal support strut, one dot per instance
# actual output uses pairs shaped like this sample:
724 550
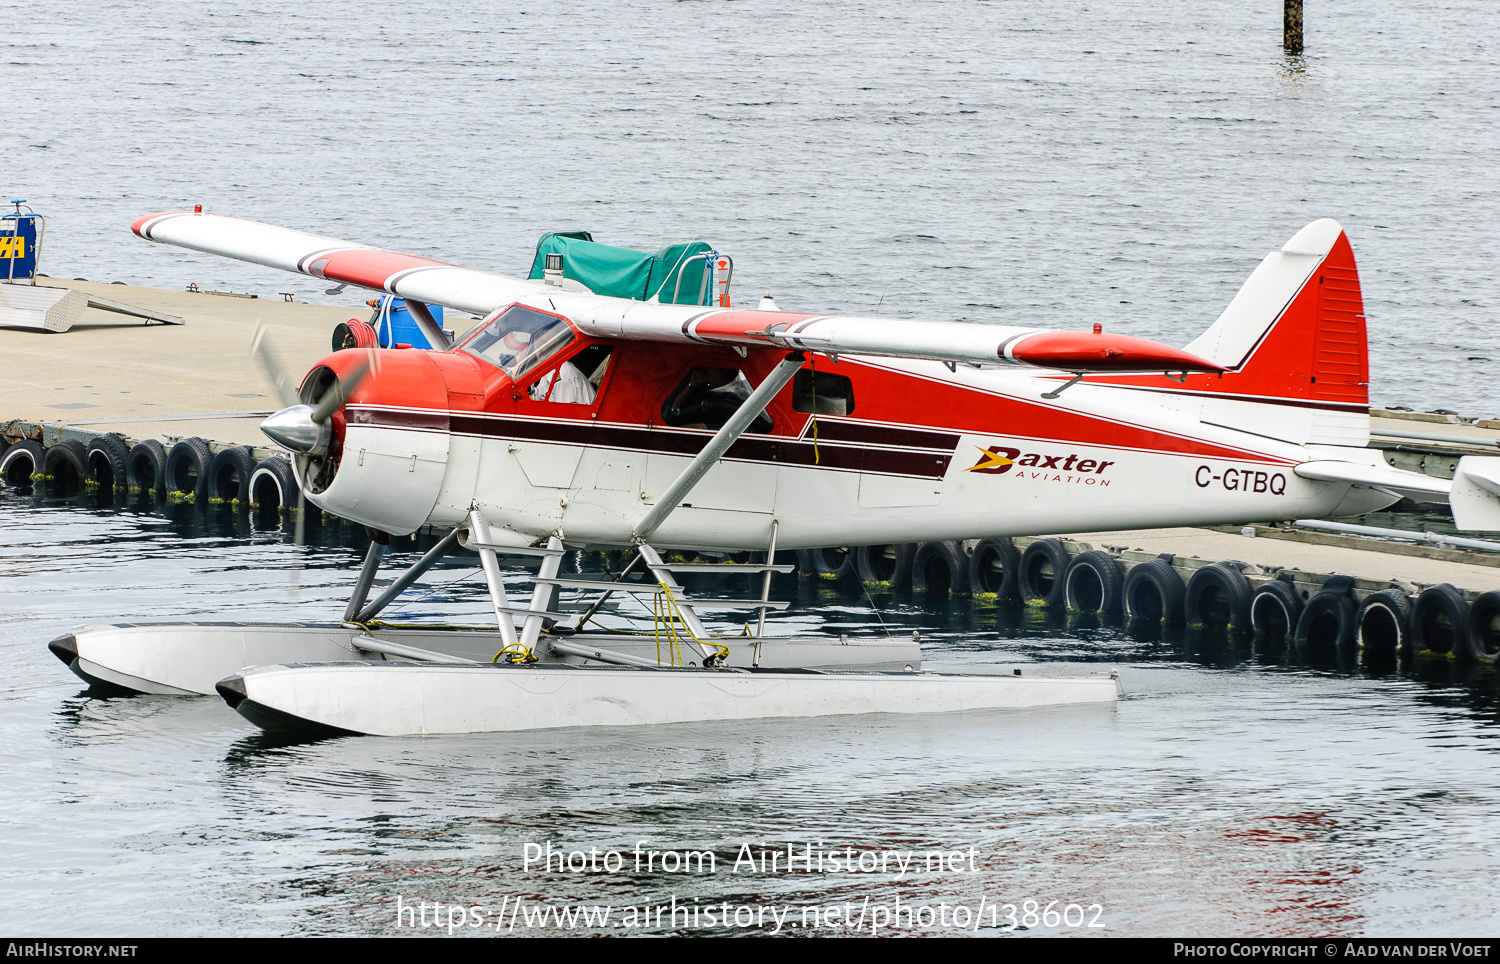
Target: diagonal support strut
748 411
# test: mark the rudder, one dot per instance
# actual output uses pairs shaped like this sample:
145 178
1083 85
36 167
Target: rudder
1296 329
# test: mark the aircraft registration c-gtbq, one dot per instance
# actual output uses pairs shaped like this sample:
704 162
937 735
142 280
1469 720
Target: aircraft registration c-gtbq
570 418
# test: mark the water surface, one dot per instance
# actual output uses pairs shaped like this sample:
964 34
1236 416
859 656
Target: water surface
1231 791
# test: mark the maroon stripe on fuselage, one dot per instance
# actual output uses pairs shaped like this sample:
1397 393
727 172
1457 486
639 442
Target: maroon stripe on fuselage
398 418
870 434
773 449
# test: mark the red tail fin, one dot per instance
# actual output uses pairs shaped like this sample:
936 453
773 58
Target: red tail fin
1295 331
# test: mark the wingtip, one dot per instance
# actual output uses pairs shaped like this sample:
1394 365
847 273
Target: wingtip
142 225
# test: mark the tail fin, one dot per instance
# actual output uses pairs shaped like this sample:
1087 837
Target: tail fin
1296 330
1293 346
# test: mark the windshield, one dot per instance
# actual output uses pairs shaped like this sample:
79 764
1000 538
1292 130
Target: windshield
519 339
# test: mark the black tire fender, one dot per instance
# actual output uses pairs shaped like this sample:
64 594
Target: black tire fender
188 465
272 483
995 567
66 463
885 565
1153 592
1325 630
833 562
21 461
1218 594
940 568
1044 565
146 466
1439 620
229 475
1094 583
1482 629
107 456
1382 627
1275 609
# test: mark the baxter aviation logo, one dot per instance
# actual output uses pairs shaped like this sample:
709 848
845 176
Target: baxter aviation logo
1000 459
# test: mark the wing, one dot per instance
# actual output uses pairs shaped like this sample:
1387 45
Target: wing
946 341
479 292
421 279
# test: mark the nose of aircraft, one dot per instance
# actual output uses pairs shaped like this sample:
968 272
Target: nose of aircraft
393 407
294 429
306 429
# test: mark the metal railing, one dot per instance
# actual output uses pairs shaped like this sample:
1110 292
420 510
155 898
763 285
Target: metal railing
1405 535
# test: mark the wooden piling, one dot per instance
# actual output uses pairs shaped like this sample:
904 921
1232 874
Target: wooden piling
1291 26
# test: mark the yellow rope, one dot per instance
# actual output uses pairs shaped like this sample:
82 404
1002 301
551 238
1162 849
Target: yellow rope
515 653
660 613
667 614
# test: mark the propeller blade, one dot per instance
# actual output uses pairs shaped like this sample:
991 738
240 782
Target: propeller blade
334 398
275 371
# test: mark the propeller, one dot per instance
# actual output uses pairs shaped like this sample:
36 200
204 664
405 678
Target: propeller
275 371
305 430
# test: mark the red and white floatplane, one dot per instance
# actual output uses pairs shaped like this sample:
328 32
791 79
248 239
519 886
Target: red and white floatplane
565 418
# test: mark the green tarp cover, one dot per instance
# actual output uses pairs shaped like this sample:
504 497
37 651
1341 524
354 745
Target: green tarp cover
623 273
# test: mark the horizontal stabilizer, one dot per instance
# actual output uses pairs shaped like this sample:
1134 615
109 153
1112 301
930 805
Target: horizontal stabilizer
1413 485
1475 497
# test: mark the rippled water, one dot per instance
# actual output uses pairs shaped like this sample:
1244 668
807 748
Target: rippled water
1119 161
1230 792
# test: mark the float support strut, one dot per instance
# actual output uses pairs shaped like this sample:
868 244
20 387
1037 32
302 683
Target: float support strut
366 579
765 588
498 597
608 592
408 577
541 596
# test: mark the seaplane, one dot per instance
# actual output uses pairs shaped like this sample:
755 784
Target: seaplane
567 418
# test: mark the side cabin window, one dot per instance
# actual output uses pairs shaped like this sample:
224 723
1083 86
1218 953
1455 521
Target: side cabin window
576 381
519 339
708 397
822 393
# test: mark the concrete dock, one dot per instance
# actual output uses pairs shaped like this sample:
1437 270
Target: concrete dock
114 373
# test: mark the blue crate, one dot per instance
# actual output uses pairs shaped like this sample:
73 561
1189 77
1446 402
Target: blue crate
394 324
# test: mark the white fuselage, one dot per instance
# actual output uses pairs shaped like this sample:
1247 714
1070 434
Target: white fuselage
1197 470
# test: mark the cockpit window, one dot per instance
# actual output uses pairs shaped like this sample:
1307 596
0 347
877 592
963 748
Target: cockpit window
519 339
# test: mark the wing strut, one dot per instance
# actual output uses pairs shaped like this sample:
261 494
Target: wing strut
748 411
436 337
